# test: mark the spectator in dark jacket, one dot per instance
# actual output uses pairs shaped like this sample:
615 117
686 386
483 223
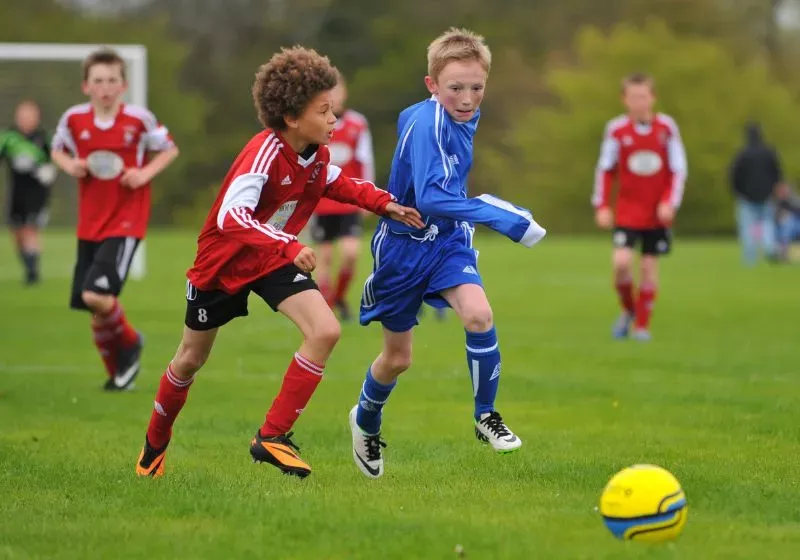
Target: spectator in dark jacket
755 174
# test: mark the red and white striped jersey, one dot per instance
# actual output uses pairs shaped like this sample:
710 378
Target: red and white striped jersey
350 149
648 161
106 208
266 199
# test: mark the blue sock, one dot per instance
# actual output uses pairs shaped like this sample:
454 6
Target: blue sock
370 403
483 359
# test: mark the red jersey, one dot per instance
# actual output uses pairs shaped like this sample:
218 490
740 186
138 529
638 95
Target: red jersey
106 208
266 199
649 162
350 149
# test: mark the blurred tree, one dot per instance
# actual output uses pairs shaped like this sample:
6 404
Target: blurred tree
702 86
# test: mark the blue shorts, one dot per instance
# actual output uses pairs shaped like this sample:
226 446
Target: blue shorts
408 271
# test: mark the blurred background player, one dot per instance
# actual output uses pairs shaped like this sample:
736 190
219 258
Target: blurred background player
336 222
26 148
437 264
643 153
787 218
755 177
104 144
248 244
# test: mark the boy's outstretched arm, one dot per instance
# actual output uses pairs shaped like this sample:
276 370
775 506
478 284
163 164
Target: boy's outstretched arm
366 195
437 191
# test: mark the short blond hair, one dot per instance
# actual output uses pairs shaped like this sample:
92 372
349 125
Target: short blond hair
457 44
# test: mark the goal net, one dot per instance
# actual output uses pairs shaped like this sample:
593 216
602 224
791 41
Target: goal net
50 74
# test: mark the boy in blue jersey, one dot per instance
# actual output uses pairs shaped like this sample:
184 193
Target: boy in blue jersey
437 264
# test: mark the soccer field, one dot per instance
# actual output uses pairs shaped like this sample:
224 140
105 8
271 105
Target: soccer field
715 398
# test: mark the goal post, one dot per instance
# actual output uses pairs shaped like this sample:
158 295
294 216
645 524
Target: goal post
135 57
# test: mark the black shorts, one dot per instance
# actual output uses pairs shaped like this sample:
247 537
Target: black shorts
333 226
102 267
212 309
654 241
28 206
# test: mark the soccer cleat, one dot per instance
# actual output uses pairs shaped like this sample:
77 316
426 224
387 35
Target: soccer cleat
366 449
279 451
642 335
622 327
492 430
128 365
111 387
151 461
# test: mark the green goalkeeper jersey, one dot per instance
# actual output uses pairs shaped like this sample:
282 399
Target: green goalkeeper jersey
28 157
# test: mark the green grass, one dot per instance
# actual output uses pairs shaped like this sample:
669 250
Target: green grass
715 398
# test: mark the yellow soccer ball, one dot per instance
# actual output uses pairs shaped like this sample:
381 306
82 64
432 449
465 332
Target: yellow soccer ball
644 503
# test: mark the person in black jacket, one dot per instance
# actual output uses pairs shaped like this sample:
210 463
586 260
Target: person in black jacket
755 174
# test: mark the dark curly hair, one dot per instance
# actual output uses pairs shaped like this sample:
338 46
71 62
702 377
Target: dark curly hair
285 85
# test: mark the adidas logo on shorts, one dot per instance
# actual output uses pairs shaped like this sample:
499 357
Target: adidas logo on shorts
469 269
299 278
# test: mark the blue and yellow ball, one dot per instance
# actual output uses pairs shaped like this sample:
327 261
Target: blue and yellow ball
644 503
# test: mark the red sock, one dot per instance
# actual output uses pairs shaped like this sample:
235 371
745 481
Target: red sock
170 398
299 383
325 290
644 306
105 341
115 320
345 275
625 291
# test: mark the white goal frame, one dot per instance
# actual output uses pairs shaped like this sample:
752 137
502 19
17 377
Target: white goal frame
135 57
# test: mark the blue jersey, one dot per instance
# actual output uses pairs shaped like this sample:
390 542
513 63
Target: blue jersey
430 167
429 172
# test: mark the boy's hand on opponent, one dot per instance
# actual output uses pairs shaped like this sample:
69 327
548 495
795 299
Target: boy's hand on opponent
404 214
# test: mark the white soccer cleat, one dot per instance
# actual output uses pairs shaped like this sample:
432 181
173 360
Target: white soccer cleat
366 449
492 430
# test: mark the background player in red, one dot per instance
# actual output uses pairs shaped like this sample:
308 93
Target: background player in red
336 222
642 151
249 244
105 145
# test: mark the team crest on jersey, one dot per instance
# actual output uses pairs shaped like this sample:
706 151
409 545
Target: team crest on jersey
315 172
85 135
627 140
130 132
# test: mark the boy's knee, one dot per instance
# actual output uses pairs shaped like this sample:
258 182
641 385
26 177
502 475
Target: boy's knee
398 361
326 333
478 319
188 361
99 303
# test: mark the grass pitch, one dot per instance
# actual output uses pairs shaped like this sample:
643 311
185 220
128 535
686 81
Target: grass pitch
715 398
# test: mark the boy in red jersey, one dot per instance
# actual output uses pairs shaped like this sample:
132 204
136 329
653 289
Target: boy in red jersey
337 223
643 151
249 244
104 144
